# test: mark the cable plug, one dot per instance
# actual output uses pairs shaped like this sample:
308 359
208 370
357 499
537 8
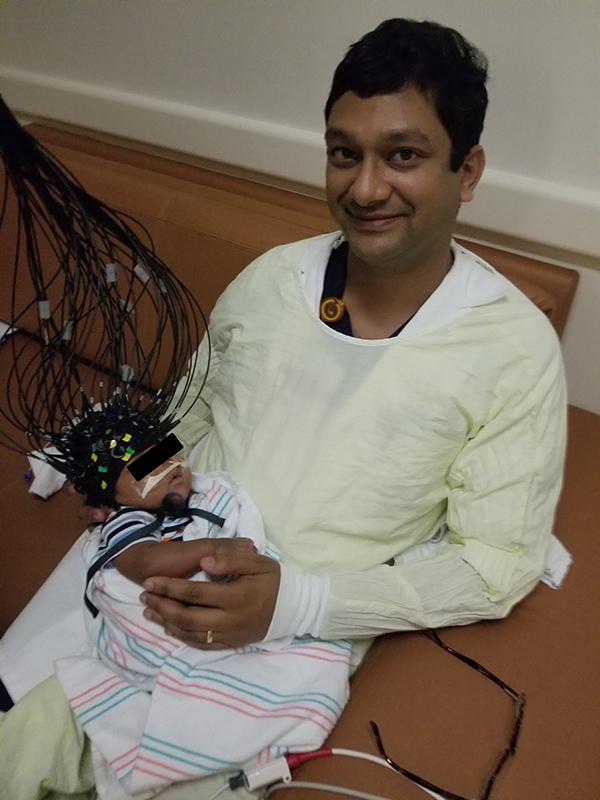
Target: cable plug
295 759
266 774
236 781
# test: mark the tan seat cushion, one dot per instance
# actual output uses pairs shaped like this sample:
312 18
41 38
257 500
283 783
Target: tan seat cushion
448 724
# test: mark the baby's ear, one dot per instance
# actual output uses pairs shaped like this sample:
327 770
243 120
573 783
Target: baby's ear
93 515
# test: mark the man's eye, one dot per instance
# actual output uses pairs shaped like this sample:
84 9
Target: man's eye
404 155
341 156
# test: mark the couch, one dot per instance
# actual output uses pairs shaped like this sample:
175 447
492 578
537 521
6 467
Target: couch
438 718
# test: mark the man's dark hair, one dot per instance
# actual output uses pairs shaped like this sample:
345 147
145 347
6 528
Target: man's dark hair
436 60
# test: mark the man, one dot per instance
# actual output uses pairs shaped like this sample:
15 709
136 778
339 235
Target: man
394 406
374 444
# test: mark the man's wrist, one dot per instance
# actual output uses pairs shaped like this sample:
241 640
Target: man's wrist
301 603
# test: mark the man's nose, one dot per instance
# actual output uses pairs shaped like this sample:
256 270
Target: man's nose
370 185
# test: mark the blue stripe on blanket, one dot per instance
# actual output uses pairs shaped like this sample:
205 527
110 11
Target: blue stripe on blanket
277 698
85 712
177 756
220 508
145 652
272 552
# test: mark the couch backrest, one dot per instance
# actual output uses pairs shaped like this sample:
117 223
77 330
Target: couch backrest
208 226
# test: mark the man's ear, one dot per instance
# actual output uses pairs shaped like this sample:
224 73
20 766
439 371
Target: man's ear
470 172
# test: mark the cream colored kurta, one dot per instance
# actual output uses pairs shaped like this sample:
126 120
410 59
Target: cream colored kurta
357 450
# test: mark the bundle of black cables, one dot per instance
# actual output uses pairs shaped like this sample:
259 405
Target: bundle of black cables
105 328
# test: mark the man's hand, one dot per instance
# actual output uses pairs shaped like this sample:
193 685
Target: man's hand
236 613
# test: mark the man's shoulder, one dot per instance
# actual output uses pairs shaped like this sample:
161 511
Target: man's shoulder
288 255
517 306
273 271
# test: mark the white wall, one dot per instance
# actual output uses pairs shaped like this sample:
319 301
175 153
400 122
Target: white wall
244 82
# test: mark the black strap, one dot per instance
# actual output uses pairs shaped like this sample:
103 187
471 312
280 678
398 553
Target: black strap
113 552
140 533
6 701
208 515
334 285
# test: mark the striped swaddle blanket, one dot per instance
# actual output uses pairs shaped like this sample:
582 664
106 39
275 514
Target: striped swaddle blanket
159 712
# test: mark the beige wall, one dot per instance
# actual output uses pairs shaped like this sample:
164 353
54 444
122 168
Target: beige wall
243 82
581 343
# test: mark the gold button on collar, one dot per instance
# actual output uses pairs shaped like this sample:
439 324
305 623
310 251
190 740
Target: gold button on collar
332 309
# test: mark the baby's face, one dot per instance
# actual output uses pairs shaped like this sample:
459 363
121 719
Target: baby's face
174 475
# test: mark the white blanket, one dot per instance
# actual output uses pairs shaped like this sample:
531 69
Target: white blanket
158 712
209 712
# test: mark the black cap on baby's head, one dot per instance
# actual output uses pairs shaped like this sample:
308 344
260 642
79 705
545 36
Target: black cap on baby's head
95 449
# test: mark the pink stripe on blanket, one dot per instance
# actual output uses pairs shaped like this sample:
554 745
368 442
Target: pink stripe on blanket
130 754
108 684
262 713
215 489
136 630
302 651
118 655
176 774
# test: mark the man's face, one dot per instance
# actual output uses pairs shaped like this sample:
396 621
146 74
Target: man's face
389 183
174 475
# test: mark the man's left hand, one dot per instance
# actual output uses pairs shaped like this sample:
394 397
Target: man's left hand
232 614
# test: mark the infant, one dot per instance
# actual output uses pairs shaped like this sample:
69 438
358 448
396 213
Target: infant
156 710
154 530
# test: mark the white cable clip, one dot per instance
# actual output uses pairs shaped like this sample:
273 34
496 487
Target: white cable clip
266 774
129 307
141 273
67 331
127 373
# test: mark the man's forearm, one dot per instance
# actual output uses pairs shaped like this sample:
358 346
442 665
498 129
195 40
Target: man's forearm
434 592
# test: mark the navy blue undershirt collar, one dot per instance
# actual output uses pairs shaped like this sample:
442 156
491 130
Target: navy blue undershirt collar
334 285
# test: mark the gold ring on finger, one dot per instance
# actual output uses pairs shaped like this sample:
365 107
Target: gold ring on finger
209 637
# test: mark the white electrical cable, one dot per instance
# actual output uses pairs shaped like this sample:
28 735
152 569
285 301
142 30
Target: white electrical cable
335 751
271 771
222 789
323 787
340 751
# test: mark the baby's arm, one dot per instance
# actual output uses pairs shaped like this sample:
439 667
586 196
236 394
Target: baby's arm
171 559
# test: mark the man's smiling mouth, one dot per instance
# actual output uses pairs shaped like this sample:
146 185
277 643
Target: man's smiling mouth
373 220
